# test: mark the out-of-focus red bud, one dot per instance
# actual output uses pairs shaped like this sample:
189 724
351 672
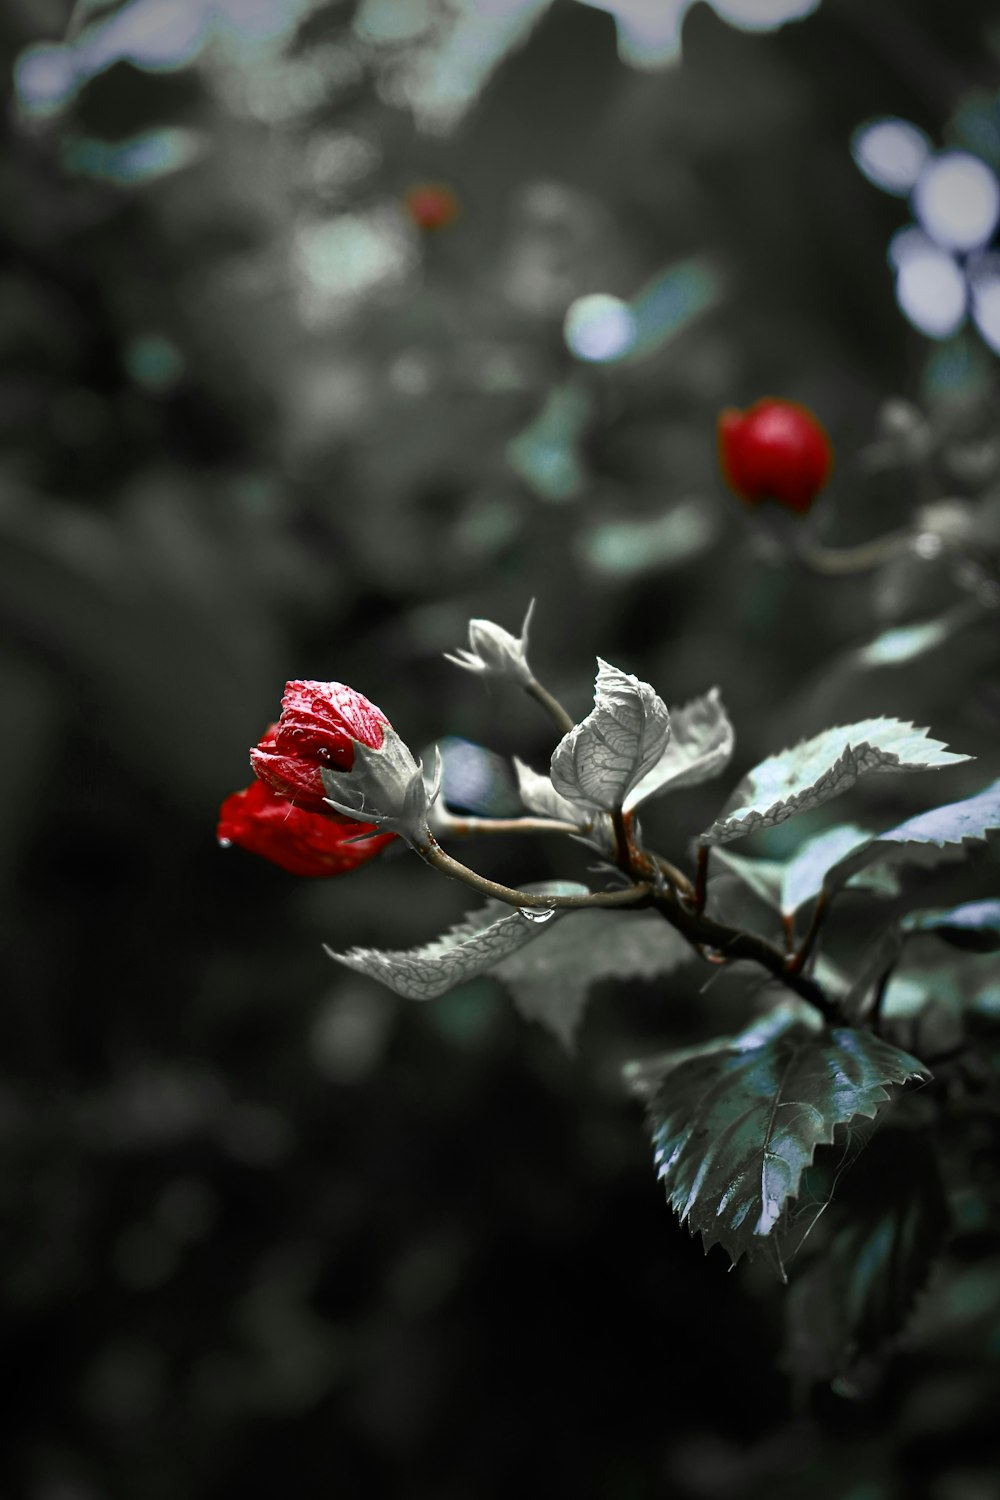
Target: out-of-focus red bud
431 206
319 726
774 450
303 843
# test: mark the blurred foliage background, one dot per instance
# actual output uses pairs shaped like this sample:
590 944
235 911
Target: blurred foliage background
267 1229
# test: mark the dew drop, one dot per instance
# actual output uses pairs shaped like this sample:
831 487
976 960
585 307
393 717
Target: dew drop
537 913
225 843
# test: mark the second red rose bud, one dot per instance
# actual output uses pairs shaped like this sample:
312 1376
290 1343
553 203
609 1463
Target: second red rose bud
775 450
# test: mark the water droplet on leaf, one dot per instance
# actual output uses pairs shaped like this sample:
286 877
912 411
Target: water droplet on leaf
537 913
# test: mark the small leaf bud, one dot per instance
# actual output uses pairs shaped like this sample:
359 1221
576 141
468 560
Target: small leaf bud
495 653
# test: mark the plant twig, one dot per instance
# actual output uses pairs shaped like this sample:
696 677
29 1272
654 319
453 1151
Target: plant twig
640 863
875 1013
703 931
433 854
551 705
447 823
701 878
788 928
624 847
837 561
673 876
799 959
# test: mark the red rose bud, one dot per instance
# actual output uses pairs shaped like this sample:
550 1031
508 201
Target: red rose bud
320 724
774 450
431 206
303 843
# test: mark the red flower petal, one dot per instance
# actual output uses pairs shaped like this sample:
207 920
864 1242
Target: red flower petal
319 725
301 842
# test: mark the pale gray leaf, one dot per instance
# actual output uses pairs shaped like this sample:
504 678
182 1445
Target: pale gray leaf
811 773
931 838
700 746
550 982
598 762
540 796
469 949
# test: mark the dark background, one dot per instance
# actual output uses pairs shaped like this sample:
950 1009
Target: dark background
265 1228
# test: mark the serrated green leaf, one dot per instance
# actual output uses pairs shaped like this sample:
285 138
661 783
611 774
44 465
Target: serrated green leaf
787 885
804 873
735 1128
974 925
644 1077
469 949
550 982
891 1224
930 838
700 746
599 761
819 769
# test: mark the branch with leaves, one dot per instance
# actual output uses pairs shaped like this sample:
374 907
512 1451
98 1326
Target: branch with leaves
736 1120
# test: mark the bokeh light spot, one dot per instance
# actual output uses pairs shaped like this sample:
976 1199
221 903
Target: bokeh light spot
154 362
45 78
599 328
984 285
342 260
957 200
152 154
906 244
931 292
891 153
151 34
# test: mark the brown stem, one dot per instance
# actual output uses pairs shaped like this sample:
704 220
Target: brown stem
799 960
674 877
733 943
551 705
624 848
642 864
788 928
700 930
875 1012
701 879
466 827
433 854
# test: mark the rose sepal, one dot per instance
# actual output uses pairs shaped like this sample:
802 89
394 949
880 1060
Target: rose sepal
387 787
